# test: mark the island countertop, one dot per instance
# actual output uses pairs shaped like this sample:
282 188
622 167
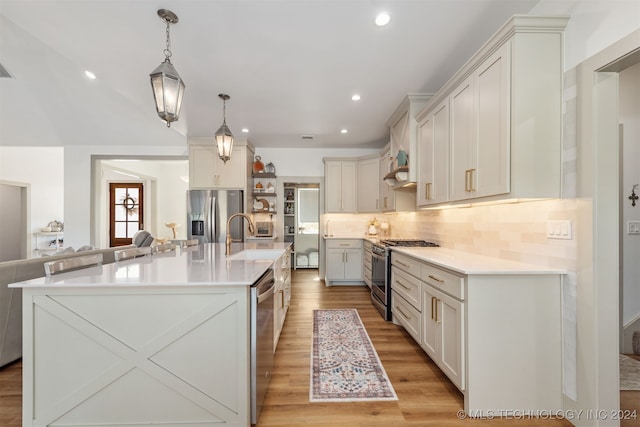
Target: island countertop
202 265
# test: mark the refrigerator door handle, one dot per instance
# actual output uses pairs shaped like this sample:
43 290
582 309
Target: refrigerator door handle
208 213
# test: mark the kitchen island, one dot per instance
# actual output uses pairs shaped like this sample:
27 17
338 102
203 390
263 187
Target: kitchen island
161 339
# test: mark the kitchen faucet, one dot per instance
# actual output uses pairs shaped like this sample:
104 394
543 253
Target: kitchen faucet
229 240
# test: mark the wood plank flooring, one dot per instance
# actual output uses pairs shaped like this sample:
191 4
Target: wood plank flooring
426 397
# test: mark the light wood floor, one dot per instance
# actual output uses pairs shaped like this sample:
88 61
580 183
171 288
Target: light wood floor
426 397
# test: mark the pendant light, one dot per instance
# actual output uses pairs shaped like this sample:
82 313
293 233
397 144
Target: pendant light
166 83
224 137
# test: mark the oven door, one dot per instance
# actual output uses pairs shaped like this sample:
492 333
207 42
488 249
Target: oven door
379 295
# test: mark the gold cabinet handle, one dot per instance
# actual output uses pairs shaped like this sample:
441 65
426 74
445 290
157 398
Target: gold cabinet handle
436 278
403 285
433 310
403 313
402 264
472 187
466 180
427 191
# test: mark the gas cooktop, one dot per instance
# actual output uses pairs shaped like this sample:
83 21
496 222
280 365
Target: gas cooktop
407 243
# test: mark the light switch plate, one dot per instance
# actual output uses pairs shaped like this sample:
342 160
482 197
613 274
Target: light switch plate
559 230
633 227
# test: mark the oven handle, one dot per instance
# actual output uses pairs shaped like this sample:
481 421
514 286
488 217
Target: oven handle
376 256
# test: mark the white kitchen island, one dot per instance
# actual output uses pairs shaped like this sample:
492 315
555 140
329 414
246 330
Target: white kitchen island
158 340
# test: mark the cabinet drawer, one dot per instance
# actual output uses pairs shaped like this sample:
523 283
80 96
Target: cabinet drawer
405 314
406 264
406 286
344 243
446 281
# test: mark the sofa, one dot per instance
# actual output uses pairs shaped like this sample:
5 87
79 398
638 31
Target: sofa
11 298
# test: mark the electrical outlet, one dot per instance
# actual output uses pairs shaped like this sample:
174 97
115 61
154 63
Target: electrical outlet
633 227
559 230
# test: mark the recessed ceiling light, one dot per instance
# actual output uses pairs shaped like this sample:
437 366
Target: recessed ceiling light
355 97
382 19
344 131
245 130
89 74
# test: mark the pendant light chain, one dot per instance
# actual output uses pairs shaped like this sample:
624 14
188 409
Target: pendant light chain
167 50
224 111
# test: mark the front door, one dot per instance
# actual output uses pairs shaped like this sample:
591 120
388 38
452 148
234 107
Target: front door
125 212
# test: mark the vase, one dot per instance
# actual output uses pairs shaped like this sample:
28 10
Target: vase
258 166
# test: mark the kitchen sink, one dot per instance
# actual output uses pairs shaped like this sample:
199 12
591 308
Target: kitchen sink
256 254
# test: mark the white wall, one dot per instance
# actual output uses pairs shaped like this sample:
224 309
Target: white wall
629 115
42 168
594 24
78 179
306 161
164 194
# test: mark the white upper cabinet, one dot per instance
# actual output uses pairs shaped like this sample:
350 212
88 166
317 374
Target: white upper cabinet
480 130
505 118
433 157
369 184
340 185
207 171
463 141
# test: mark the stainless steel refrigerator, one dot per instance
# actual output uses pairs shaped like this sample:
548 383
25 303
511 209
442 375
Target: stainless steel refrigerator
208 212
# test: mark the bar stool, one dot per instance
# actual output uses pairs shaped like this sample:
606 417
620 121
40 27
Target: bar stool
123 254
73 263
165 247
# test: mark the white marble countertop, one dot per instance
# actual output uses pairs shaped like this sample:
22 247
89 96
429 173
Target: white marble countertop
202 265
467 263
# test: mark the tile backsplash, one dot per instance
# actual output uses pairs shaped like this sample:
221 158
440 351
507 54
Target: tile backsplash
514 231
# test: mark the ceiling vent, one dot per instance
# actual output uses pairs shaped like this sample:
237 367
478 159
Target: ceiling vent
306 137
4 74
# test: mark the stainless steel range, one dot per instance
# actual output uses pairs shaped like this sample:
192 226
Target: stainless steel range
381 271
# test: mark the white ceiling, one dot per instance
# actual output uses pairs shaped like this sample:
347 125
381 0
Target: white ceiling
290 66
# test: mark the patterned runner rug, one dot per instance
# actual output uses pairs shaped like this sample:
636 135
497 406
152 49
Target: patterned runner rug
344 365
629 373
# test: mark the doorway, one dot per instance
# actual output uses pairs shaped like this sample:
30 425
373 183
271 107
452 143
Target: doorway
13 221
126 212
599 297
302 223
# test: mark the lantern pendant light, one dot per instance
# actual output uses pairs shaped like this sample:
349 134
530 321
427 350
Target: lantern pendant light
224 137
166 83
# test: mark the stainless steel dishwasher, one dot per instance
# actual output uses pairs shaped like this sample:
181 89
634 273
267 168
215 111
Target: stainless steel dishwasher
261 340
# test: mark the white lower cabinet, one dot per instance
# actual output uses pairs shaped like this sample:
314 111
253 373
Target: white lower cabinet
433 318
490 332
442 332
366 262
343 260
282 294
